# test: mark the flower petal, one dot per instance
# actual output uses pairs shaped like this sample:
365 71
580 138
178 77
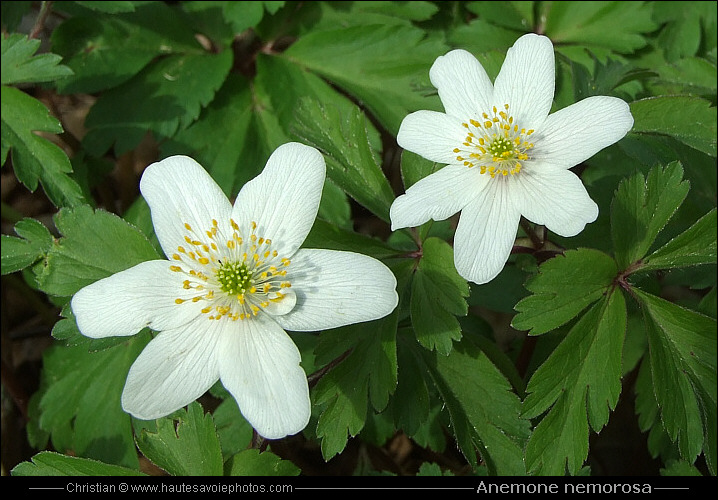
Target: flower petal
436 196
178 191
526 81
556 199
577 132
259 366
284 199
486 233
174 369
464 87
138 297
337 288
432 135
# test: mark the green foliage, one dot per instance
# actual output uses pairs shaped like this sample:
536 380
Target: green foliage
48 463
437 296
185 445
512 377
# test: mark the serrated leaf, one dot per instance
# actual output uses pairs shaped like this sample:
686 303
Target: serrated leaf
48 463
351 162
642 207
19 253
618 26
34 158
681 35
483 409
369 372
683 367
381 65
691 120
564 286
186 445
696 245
95 244
254 463
580 382
81 405
410 403
107 50
225 156
438 295
19 65
163 98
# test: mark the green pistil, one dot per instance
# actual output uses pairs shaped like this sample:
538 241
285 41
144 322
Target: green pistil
500 145
234 278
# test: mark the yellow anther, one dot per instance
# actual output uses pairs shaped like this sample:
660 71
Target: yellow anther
176 257
234 225
179 301
187 227
204 260
176 269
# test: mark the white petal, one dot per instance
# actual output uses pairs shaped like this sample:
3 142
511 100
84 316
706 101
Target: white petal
138 297
432 135
283 305
259 366
556 199
526 81
178 191
577 132
436 196
486 233
174 369
464 87
283 200
337 288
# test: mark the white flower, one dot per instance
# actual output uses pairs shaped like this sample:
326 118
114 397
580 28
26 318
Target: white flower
235 280
505 155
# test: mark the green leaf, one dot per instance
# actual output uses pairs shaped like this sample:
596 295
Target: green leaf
381 65
617 26
254 463
681 35
438 295
171 92
580 382
95 244
415 167
410 403
696 245
34 158
369 371
691 120
564 286
48 463
351 162
186 445
680 468
484 411
642 207
81 406
225 156
19 65
682 347
107 50
329 236
234 432
18 253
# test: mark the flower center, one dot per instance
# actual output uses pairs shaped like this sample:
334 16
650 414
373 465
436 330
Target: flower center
235 276
497 145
